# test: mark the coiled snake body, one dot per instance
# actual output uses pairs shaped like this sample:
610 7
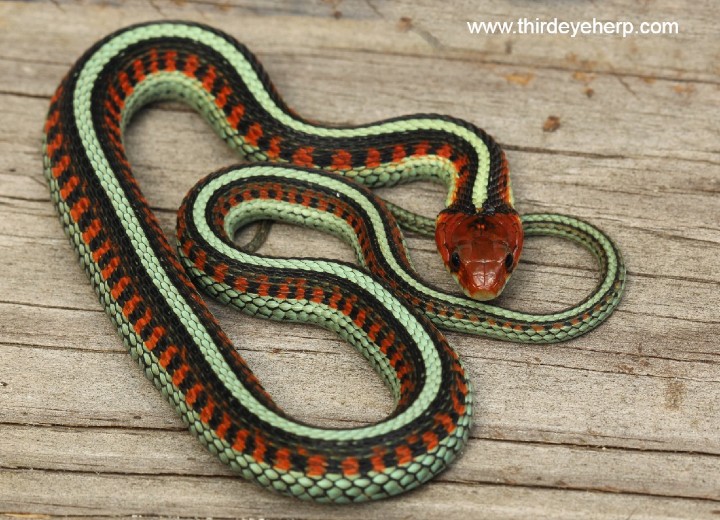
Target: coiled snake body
320 178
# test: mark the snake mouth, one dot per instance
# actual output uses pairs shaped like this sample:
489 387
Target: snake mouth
481 283
482 295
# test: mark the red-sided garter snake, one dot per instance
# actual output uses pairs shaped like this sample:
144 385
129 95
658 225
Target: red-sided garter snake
320 178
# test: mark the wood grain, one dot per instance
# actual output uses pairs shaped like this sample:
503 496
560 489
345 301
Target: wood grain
620 423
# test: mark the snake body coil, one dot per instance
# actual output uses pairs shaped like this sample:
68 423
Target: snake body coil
383 309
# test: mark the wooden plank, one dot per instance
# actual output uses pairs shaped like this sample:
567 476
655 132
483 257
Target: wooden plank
140 451
173 452
426 28
519 110
619 423
100 495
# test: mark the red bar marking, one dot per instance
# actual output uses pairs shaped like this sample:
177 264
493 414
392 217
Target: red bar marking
236 115
430 440
157 333
110 267
461 162
120 287
373 158
142 322
444 151
221 430
240 440
303 157
61 166
56 95
405 370
209 80
111 122
372 333
254 133
386 343
377 460
52 120
300 290
116 97
168 355
446 422
54 144
397 357
403 454
318 295
316 465
125 83
100 251
92 231
207 412
170 57
179 375
335 298
457 405
260 448
79 208
221 98
192 394
350 466
70 185
360 318
200 259
153 60
240 284
264 287
274 148
131 305
349 305
191 65
139 70
282 459
422 148
284 291
341 160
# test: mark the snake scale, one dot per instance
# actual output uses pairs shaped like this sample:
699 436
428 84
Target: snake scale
315 176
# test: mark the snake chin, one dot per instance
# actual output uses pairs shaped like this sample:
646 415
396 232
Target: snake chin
480 250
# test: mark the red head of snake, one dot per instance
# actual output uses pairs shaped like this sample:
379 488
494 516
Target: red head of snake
480 250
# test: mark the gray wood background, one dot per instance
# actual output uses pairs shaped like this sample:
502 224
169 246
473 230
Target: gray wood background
621 423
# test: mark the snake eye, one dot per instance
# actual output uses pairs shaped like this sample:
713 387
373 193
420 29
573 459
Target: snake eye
455 261
509 263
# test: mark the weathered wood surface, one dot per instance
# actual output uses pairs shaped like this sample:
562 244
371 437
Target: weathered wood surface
621 423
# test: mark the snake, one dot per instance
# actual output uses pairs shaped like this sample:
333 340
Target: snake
313 175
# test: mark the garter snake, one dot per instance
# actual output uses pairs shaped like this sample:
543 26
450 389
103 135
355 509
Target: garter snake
318 177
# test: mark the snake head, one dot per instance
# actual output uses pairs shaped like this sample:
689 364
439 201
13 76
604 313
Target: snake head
480 250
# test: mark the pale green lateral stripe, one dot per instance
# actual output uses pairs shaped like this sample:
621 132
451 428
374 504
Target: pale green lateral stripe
255 86
111 185
430 356
302 311
331 487
251 211
177 85
383 241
